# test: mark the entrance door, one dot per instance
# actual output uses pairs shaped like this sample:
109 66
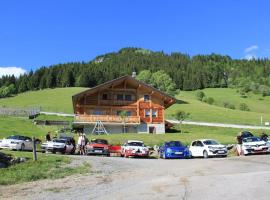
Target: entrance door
152 129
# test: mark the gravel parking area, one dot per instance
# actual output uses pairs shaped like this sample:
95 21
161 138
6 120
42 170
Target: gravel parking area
120 178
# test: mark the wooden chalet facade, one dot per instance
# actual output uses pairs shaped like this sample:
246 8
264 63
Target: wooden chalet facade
144 105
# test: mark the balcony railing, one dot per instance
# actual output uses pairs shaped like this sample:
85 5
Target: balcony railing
107 118
117 102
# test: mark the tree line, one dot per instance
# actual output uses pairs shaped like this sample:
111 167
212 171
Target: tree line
186 72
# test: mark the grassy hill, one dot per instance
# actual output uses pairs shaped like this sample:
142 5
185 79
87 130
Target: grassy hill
54 100
59 100
200 111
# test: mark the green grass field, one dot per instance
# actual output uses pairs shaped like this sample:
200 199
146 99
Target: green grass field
47 167
200 111
23 126
59 100
189 133
53 100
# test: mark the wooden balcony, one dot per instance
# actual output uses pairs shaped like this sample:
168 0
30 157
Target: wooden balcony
107 118
117 102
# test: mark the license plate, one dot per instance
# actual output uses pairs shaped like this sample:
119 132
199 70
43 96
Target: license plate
178 152
221 151
98 151
257 149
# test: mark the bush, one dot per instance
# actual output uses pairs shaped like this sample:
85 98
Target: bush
228 105
200 95
244 107
210 100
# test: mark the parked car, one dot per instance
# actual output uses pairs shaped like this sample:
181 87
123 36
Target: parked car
207 148
134 148
98 147
62 145
173 149
242 135
253 145
17 142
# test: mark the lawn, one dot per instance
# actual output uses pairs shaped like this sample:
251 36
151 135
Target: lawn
200 111
223 135
23 126
47 167
53 100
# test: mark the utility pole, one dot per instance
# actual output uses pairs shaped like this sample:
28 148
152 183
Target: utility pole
34 149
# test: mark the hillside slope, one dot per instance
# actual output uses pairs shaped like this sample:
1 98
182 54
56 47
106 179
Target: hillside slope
53 100
59 100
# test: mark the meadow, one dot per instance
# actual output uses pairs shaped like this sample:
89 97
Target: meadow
46 167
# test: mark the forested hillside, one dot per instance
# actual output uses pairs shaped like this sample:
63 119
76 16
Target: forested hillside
188 73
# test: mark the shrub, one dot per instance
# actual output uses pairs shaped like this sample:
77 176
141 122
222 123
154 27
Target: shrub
243 107
228 105
204 99
200 95
210 100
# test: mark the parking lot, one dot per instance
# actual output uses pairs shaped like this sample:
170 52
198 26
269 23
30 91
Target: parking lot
118 178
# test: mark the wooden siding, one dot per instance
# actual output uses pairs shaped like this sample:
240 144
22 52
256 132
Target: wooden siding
93 107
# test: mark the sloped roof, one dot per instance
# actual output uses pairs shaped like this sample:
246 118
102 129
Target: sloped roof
171 100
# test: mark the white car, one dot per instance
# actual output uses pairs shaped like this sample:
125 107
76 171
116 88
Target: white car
253 145
134 148
17 142
62 145
207 148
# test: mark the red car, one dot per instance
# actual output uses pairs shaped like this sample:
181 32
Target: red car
98 147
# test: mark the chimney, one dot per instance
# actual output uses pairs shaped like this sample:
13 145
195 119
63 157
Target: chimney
133 74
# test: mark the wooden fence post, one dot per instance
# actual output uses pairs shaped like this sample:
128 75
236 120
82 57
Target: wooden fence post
34 149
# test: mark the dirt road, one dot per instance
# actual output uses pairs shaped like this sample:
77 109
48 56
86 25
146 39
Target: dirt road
120 178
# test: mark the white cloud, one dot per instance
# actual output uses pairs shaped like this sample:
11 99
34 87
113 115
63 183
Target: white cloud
16 71
251 48
250 56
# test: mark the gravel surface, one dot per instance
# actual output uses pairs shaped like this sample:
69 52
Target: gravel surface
122 178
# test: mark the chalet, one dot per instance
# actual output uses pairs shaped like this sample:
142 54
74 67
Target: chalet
144 107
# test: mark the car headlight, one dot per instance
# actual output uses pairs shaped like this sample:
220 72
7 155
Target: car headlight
247 146
15 142
90 147
169 150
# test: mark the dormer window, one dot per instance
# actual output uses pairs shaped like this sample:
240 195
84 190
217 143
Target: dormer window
146 97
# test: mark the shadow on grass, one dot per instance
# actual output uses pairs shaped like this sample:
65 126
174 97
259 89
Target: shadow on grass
178 101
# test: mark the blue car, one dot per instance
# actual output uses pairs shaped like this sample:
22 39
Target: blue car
174 149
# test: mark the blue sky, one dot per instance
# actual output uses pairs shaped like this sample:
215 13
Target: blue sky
46 32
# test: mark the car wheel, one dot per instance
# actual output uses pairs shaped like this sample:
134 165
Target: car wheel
205 154
22 147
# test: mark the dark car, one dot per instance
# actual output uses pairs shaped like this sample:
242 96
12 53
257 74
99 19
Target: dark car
98 147
174 149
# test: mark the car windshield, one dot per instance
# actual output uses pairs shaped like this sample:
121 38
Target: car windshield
140 144
99 141
174 144
251 139
14 137
246 134
210 142
59 141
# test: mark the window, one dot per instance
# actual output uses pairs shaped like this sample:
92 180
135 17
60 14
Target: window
104 96
128 97
97 112
154 113
147 113
199 144
146 97
120 97
128 112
